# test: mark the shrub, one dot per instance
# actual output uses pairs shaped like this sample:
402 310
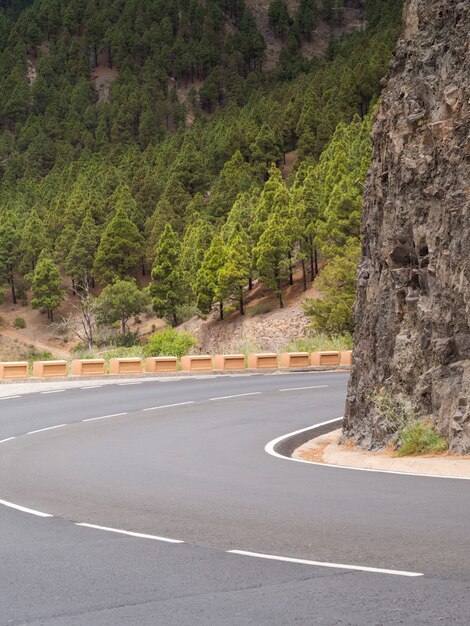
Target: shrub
419 437
394 413
19 322
320 342
170 342
261 308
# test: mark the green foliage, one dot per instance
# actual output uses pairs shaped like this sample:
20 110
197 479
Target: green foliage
420 437
393 413
46 286
170 342
119 302
168 286
320 342
261 308
19 322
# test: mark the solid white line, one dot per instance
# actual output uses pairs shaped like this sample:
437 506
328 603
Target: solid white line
167 406
41 430
359 568
127 532
237 395
9 397
53 391
300 388
103 417
8 439
24 509
269 448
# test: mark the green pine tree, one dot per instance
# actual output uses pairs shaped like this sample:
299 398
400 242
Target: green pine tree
46 286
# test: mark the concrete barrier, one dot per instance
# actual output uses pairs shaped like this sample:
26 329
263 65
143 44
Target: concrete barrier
49 369
266 360
196 363
294 359
88 367
14 369
226 362
161 364
325 358
125 366
346 357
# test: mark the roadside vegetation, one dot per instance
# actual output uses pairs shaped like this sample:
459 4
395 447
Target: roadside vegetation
410 435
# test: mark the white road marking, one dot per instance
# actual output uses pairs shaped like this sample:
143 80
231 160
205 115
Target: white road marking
300 388
103 417
269 448
359 568
9 397
7 439
127 532
53 391
91 387
237 395
167 406
41 430
24 509
125 384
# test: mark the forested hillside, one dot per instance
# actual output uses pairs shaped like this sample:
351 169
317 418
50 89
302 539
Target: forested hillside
143 139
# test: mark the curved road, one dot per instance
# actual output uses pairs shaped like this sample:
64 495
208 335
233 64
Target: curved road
183 460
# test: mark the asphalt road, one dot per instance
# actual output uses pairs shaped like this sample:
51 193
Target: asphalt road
197 472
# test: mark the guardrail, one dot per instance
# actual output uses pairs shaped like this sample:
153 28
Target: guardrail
10 370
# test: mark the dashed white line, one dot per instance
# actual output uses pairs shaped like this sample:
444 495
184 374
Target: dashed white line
167 406
129 533
41 430
359 568
300 388
7 439
9 397
126 384
91 387
237 395
53 391
103 417
23 509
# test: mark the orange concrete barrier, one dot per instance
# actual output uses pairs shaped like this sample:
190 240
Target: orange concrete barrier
161 364
294 359
14 369
346 357
88 367
196 363
125 366
226 362
49 369
262 361
325 358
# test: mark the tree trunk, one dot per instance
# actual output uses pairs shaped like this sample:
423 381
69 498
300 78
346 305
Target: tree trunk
221 310
291 275
174 318
312 264
304 275
316 261
279 293
12 286
250 284
96 55
143 269
123 326
242 305
51 315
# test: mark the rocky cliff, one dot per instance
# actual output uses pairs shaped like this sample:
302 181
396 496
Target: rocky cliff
413 305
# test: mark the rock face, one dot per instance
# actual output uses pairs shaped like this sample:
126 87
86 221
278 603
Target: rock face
413 306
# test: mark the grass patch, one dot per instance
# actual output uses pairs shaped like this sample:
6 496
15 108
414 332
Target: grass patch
320 342
261 308
419 437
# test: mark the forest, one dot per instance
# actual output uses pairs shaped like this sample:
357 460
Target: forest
174 172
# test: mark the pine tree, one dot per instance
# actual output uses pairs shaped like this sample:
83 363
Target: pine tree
9 252
33 241
207 281
46 286
120 249
80 260
119 302
168 287
234 274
